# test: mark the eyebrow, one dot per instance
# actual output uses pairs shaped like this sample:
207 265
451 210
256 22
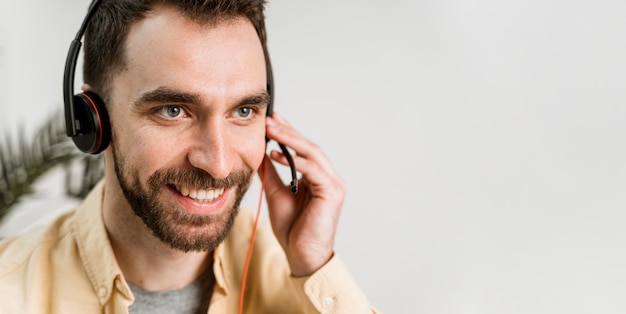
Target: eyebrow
261 98
167 95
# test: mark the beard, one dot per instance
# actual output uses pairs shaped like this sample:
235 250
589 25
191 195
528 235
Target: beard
167 221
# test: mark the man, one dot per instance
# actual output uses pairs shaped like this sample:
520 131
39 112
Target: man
184 83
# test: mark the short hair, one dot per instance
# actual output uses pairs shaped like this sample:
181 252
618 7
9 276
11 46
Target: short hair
106 34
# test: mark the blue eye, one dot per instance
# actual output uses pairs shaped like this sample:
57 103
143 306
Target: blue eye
172 111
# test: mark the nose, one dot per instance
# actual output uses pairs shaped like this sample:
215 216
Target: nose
210 151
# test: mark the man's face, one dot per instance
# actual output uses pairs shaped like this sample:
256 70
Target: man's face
188 122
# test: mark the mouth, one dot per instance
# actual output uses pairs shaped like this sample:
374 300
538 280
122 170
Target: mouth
199 195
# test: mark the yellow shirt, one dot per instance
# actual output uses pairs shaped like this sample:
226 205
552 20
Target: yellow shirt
69 267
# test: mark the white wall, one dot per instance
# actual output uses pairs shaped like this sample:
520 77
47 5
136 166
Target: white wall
483 142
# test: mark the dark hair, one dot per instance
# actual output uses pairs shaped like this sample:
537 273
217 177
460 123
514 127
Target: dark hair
105 36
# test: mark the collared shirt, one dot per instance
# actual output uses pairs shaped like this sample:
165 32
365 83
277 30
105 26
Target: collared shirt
69 267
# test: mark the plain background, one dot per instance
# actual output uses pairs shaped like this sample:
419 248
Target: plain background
483 142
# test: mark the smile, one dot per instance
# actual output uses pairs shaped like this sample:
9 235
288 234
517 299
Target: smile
200 194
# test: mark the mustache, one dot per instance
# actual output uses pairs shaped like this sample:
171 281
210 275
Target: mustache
198 178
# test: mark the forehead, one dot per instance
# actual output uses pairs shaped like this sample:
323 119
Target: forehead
168 49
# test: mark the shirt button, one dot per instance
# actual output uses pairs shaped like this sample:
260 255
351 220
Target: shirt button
328 302
102 292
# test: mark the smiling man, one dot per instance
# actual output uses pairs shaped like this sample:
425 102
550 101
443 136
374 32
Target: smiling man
185 87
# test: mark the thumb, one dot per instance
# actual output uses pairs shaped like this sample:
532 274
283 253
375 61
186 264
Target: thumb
269 175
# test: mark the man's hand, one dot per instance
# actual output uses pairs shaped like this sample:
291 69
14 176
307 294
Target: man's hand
304 223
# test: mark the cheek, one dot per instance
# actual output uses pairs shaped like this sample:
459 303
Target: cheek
252 149
144 151
154 150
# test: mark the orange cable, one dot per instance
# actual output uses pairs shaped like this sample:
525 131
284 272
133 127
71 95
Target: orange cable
256 223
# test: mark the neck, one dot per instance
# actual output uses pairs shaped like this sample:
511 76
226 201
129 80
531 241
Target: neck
143 258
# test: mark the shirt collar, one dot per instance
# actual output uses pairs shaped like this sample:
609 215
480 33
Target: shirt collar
221 269
95 248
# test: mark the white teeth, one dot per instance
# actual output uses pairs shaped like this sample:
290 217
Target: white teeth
199 194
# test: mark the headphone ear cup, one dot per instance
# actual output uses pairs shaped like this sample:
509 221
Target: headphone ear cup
94 129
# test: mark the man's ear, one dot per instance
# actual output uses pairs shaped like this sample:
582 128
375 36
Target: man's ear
86 88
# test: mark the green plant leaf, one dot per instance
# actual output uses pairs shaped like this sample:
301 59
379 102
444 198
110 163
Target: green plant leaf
22 164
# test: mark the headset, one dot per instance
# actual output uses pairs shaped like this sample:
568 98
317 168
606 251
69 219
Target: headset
86 117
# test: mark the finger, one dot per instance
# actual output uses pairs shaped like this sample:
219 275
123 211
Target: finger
281 119
270 177
280 201
310 160
320 178
287 135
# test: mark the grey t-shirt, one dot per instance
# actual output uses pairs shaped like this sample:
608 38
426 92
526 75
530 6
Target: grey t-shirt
192 299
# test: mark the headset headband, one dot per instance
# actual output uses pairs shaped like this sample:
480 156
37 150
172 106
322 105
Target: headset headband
71 123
